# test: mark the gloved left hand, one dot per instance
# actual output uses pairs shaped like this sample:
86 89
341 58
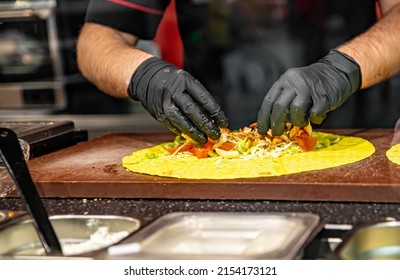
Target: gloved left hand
309 93
177 100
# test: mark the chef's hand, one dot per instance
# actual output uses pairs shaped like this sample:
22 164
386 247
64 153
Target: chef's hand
309 93
177 100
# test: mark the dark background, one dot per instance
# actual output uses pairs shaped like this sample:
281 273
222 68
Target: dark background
238 49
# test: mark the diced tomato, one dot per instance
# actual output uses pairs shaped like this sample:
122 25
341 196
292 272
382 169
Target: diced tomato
209 145
182 148
306 143
200 152
171 150
227 146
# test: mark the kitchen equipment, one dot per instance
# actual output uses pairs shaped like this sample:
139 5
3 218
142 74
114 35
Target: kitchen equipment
93 169
6 184
222 236
78 234
13 158
46 136
38 138
378 240
31 69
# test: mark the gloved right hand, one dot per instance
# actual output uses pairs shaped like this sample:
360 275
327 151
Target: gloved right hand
309 93
177 100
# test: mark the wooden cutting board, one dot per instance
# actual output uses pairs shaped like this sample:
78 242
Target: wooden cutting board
93 169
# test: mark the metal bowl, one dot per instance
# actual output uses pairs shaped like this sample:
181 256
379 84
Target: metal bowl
78 234
372 241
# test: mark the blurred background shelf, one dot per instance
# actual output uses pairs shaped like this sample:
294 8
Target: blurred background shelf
97 125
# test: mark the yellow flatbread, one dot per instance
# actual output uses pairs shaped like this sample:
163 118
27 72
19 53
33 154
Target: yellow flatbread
155 161
393 154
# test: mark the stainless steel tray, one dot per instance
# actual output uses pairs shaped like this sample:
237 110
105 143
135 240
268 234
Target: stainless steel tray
78 234
221 236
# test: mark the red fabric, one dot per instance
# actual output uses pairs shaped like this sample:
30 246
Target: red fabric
378 10
168 37
137 7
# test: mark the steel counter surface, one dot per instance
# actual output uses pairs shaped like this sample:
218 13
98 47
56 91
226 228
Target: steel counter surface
93 169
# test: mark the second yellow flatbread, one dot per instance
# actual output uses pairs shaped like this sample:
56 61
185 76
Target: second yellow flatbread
393 154
155 161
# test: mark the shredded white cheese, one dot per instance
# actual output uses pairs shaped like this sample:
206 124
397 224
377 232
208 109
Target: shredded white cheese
99 239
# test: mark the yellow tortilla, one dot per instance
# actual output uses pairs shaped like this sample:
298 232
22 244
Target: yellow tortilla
393 154
347 150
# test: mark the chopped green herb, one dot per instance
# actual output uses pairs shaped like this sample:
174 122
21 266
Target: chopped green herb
325 140
151 156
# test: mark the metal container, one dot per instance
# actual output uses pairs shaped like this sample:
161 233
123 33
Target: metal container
221 236
31 65
372 241
78 234
6 183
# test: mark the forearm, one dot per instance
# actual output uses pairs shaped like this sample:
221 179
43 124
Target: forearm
108 58
377 51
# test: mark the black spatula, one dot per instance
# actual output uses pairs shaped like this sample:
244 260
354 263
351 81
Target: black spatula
13 159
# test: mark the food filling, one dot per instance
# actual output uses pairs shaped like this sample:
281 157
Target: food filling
248 143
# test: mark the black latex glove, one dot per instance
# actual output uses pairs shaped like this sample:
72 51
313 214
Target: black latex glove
309 93
177 100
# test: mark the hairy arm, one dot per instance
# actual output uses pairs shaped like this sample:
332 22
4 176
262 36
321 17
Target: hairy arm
377 51
108 58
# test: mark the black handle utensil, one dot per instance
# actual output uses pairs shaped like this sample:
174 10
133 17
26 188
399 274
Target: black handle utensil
13 159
